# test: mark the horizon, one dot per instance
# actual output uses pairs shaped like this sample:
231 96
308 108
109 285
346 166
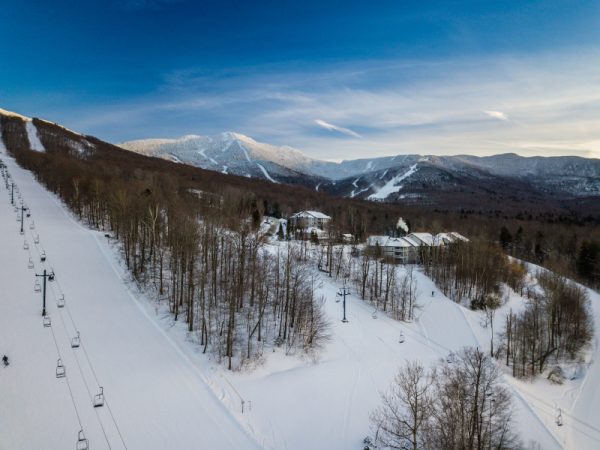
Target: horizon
335 81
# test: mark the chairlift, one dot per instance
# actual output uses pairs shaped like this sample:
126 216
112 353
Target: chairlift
61 371
36 239
401 339
30 263
99 398
25 245
559 420
60 302
28 214
76 341
37 287
43 256
47 321
51 275
82 442
32 225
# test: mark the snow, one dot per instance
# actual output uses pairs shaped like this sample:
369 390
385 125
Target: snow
393 185
158 397
212 160
34 140
266 174
5 112
163 393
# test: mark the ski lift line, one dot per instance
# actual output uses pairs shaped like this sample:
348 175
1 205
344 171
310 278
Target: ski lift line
565 413
87 356
82 346
39 246
67 381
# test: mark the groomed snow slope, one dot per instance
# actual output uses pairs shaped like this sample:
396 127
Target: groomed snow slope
157 397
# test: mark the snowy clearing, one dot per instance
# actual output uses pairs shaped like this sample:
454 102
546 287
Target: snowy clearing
32 135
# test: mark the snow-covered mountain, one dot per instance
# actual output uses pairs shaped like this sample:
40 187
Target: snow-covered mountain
231 153
389 178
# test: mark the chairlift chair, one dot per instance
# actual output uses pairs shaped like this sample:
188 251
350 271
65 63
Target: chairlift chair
60 302
25 245
36 239
37 287
30 263
47 321
76 341
51 275
28 214
32 225
61 371
99 398
43 256
82 442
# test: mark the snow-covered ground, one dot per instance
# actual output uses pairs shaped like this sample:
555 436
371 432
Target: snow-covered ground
156 397
163 393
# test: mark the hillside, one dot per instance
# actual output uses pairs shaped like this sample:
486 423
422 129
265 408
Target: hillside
367 178
174 394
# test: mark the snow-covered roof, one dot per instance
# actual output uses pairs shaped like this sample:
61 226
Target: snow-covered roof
448 238
423 238
311 214
459 236
387 241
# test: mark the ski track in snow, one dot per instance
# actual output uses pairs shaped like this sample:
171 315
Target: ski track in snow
212 160
266 174
32 135
392 186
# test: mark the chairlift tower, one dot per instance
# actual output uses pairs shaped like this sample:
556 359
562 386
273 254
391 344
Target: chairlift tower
44 275
23 209
344 291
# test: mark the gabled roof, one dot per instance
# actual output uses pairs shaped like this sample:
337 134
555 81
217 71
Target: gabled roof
387 241
424 238
311 214
459 236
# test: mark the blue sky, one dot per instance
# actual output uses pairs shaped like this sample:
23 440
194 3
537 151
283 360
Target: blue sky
336 79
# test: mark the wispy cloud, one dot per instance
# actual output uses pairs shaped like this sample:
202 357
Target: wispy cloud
407 107
332 127
496 115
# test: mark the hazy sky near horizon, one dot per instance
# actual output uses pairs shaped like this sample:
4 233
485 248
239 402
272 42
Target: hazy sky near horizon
336 79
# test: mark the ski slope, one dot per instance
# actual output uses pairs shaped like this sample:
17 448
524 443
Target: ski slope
155 397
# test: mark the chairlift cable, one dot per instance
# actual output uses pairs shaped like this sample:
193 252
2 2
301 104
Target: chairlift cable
84 380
